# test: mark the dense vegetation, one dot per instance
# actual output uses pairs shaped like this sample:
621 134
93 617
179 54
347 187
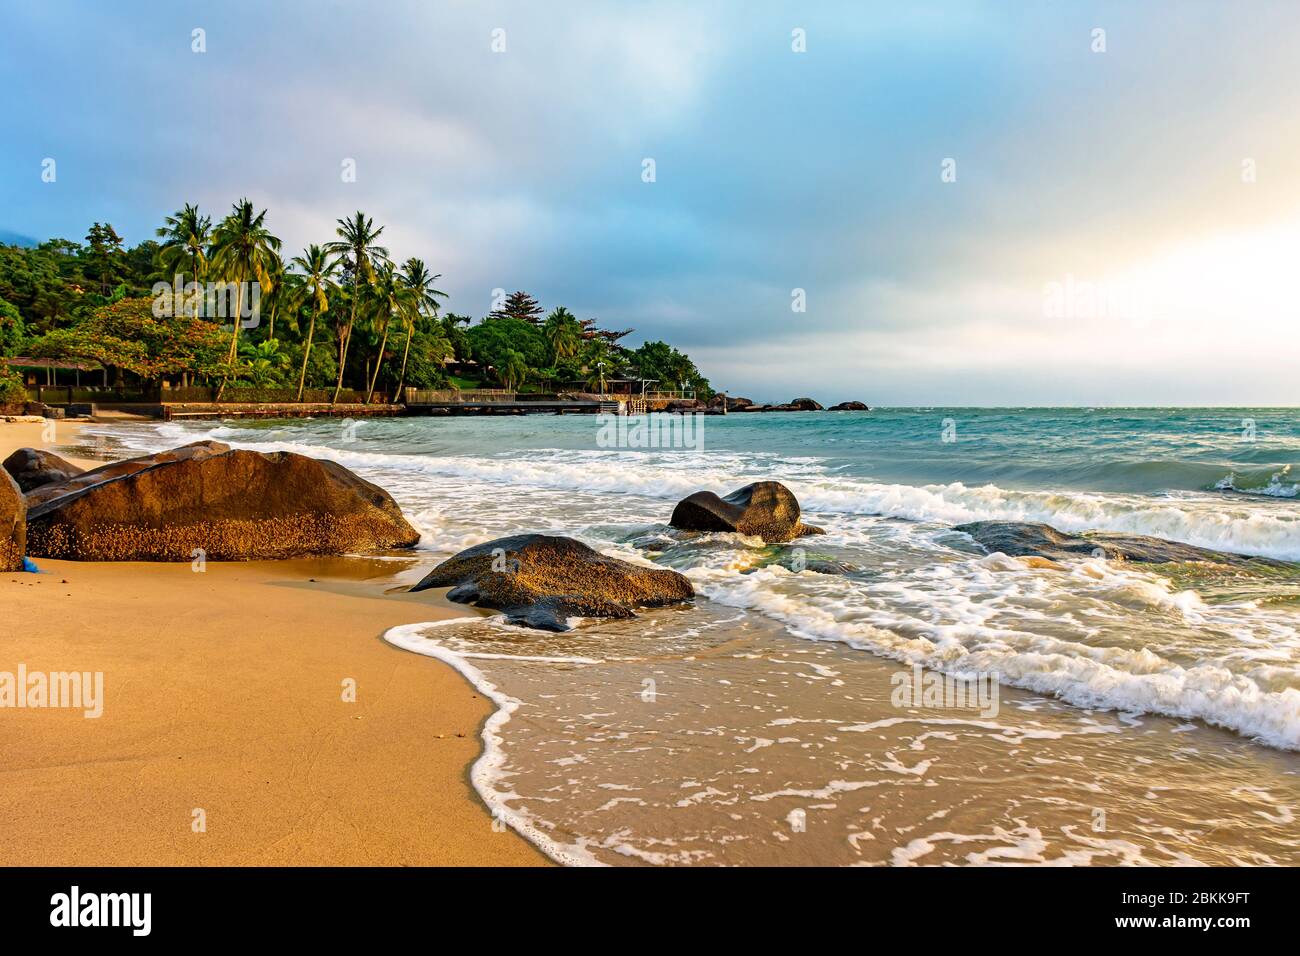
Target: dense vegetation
343 314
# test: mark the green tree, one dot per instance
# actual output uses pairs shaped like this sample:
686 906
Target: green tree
12 329
419 280
318 282
184 250
564 333
356 249
104 256
512 370
519 305
243 251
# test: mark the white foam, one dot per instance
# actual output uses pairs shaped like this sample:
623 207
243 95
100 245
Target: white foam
489 770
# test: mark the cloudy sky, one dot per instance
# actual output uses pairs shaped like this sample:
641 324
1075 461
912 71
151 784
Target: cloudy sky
983 203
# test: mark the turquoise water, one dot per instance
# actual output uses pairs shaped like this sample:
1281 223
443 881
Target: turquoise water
1191 669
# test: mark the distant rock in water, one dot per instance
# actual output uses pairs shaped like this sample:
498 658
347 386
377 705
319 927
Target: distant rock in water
1028 539
805 405
540 580
33 467
13 524
765 509
228 505
849 407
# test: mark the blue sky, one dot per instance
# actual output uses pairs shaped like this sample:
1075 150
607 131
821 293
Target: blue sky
1119 177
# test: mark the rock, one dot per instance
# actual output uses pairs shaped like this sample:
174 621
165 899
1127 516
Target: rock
13 524
734 403
119 469
541 580
32 467
1028 539
850 407
805 405
765 509
230 505
684 405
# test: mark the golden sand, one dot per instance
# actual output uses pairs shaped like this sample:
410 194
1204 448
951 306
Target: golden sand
227 735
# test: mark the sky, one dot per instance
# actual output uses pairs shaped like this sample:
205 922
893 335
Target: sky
1010 203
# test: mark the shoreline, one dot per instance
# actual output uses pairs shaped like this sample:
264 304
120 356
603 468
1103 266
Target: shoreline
240 716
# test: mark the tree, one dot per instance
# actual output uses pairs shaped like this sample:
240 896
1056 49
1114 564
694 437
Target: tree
243 251
12 329
393 299
185 243
105 255
318 282
356 250
263 363
512 370
564 333
417 278
519 305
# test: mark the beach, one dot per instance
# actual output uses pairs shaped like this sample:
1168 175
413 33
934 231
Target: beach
223 692
889 692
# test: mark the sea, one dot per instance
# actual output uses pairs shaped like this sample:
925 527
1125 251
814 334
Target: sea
888 693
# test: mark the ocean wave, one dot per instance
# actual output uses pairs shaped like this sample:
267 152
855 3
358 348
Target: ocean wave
949 625
671 476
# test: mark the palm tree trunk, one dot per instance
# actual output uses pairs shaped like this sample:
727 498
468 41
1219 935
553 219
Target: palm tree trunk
234 341
343 347
379 361
311 330
401 379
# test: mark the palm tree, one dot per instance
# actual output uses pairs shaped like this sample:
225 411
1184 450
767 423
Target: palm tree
393 299
513 369
186 236
356 249
420 282
318 282
243 250
564 333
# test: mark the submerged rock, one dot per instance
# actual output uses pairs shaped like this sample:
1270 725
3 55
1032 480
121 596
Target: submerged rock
33 467
1029 539
540 580
765 509
223 505
13 524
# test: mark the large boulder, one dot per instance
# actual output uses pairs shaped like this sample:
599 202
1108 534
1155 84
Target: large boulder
120 469
1029 539
734 403
805 405
541 580
33 467
13 524
765 509
230 505
850 407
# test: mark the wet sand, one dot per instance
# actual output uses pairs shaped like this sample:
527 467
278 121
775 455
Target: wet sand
226 737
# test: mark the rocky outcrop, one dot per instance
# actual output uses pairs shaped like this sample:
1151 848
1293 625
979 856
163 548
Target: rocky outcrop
228 505
734 403
13 524
1028 539
120 469
33 467
849 407
805 405
765 509
541 580
682 405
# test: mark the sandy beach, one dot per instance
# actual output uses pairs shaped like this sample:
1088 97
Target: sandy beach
225 736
